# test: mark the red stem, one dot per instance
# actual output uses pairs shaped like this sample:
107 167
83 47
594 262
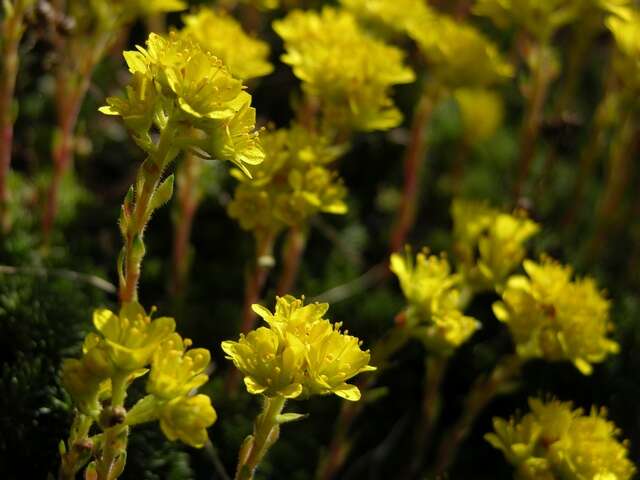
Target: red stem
413 162
292 258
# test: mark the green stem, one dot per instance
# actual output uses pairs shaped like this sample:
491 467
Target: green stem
78 448
483 392
149 177
266 430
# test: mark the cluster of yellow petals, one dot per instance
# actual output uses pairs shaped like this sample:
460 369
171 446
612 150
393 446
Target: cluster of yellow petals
245 56
175 79
553 317
299 354
556 442
433 295
347 70
489 244
129 345
291 185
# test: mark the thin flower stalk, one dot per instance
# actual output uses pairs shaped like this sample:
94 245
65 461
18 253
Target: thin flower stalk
12 29
71 89
292 257
544 70
413 165
481 394
266 431
619 174
189 197
435 369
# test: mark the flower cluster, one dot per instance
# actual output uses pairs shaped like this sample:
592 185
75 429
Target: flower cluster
460 55
552 317
555 442
348 71
245 56
540 19
291 185
488 244
124 348
625 27
399 15
182 89
434 313
481 111
300 353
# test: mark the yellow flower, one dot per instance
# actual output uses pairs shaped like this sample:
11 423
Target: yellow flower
176 371
349 71
489 244
270 366
481 111
625 27
432 293
459 54
552 317
245 56
291 185
541 19
187 419
301 353
555 442
398 15
131 337
82 384
176 80
201 84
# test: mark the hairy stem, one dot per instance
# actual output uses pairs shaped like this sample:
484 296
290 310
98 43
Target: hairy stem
265 433
78 448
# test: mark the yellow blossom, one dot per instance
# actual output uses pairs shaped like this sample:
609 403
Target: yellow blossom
176 371
625 27
291 185
481 111
489 244
556 442
177 81
245 56
300 354
552 317
398 15
187 419
459 54
540 18
270 366
131 336
349 71
433 296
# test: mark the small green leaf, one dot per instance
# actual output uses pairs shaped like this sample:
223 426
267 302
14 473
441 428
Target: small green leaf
290 417
163 194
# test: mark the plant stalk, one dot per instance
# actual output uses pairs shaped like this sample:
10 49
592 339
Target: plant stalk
413 164
292 256
266 430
